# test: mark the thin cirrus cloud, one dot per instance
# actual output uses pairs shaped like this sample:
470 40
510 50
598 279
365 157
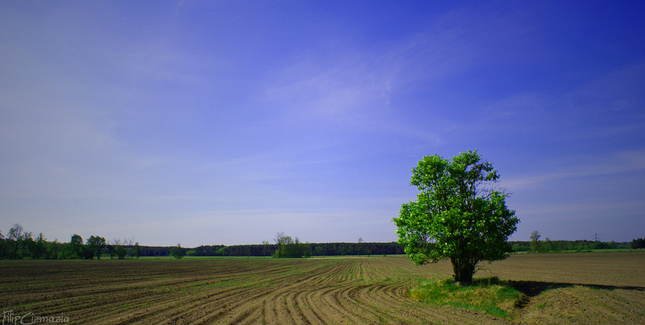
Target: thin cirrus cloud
354 91
203 119
582 166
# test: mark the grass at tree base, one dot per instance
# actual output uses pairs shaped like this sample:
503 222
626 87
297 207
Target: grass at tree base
490 295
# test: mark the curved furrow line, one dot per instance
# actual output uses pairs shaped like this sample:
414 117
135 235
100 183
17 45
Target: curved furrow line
310 313
272 295
165 309
372 293
341 274
356 271
294 279
114 312
398 295
294 309
281 310
253 272
68 293
376 312
335 272
232 305
366 311
349 274
206 308
610 307
340 298
255 317
244 316
324 301
316 276
322 280
279 306
392 292
81 302
616 304
132 318
378 294
320 277
206 317
369 271
633 297
315 305
269 314
287 303
200 304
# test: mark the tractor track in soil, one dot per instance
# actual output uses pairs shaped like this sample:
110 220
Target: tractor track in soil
353 290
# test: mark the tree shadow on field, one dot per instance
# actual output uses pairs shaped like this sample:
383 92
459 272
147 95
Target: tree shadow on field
534 288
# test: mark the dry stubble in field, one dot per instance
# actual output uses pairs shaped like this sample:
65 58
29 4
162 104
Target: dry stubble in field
562 288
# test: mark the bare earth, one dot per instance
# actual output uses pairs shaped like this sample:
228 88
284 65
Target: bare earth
586 288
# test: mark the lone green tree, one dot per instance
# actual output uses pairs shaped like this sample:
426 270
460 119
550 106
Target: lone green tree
76 246
121 247
177 252
280 240
96 244
536 247
458 214
137 250
287 247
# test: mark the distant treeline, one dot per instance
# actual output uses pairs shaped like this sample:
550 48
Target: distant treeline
312 249
554 246
20 244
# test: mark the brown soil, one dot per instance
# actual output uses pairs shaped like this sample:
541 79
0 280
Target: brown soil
585 288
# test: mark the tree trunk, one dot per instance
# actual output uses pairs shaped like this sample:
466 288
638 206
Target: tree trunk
464 269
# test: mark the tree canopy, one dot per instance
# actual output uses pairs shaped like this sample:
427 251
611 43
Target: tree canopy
287 247
459 214
177 252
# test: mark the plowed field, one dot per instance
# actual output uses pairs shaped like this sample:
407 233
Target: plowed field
585 288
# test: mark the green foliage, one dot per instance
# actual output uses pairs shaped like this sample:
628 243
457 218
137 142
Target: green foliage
96 244
558 246
520 248
638 243
536 246
120 249
177 252
137 250
491 295
290 248
455 216
40 248
551 246
75 247
15 241
603 245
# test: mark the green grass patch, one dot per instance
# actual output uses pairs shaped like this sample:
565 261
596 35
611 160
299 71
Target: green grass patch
490 295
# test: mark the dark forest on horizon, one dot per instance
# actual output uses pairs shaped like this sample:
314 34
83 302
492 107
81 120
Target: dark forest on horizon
20 244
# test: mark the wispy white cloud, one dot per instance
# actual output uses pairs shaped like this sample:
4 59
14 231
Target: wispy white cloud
178 124
354 89
582 166
608 104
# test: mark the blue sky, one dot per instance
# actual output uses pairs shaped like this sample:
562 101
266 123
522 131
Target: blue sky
224 122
